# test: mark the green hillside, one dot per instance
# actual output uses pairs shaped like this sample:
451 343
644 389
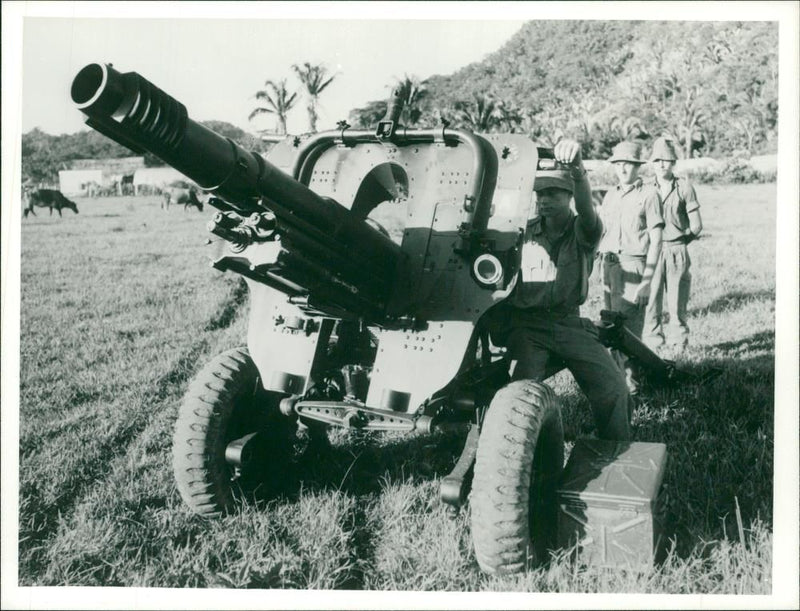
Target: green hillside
713 86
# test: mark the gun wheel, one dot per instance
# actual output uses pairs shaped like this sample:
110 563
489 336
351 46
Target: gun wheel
520 457
223 403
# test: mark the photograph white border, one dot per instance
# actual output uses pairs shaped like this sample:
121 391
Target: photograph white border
785 519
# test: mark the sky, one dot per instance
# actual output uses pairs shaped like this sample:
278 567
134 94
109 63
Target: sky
215 66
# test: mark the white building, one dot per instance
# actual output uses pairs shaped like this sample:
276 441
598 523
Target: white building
74 182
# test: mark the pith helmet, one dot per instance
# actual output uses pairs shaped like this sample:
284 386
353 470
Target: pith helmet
627 151
663 148
558 178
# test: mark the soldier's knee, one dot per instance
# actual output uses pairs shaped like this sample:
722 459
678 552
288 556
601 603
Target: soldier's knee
613 393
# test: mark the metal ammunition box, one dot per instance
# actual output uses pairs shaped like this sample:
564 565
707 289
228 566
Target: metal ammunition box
609 502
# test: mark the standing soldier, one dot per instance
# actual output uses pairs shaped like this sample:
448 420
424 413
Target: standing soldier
672 275
630 246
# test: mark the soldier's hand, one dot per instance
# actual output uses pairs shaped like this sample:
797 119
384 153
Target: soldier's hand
568 152
643 293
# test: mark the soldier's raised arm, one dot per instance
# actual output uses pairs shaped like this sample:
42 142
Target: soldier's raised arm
568 152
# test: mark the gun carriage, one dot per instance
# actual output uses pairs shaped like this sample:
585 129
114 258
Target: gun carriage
348 327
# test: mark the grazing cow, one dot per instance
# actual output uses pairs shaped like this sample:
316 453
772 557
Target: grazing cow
187 197
126 185
49 198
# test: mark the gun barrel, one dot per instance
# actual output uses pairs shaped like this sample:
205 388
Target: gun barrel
139 115
132 111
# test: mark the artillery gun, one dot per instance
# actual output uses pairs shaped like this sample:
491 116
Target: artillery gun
348 328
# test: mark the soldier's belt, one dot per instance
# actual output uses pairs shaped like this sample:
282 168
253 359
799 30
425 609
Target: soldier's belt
614 257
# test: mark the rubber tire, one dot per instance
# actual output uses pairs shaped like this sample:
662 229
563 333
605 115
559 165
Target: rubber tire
220 405
519 460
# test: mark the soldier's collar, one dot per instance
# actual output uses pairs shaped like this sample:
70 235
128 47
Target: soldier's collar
673 181
636 184
536 224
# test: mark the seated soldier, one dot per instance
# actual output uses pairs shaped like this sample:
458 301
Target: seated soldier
541 316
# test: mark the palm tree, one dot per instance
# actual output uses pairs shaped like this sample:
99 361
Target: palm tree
479 115
279 102
412 92
314 79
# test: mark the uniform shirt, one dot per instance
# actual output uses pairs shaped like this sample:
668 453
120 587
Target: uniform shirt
554 276
678 203
628 213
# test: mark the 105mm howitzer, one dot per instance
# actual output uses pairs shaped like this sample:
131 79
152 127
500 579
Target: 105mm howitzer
348 327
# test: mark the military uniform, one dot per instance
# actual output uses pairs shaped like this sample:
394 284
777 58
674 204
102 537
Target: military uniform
672 276
544 326
628 214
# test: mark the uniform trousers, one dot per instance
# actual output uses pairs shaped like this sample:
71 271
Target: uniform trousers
671 279
574 341
622 275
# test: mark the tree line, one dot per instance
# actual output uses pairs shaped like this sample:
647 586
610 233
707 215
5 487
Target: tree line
43 155
711 86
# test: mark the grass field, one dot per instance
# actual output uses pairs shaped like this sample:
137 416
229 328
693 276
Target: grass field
120 309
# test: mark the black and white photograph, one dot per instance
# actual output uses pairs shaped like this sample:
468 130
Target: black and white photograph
356 305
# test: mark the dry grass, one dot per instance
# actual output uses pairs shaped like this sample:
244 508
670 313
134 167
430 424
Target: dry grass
119 310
